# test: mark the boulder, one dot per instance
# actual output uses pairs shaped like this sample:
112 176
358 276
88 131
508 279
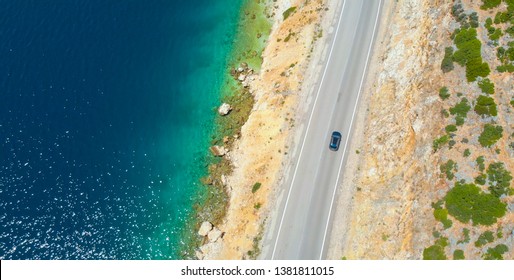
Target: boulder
205 228
240 69
218 151
241 77
224 109
214 235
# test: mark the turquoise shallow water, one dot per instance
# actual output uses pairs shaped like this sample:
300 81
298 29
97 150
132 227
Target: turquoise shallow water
106 112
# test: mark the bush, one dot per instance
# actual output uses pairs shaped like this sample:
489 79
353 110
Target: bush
443 93
436 251
448 168
480 162
450 128
288 12
467 202
490 135
460 110
458 255
440 142
496 253
486 86
499 179
465 232
447 63
485 106
476 68
484 238
480 179
467 153
256 187
442 216
489 4
505 68
468 54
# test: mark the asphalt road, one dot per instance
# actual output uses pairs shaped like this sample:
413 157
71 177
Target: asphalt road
301 228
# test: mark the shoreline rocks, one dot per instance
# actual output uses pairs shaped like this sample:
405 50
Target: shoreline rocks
224 109
218 151
205 228
212 242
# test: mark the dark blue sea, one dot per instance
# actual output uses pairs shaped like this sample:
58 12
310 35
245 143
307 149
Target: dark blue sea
105 115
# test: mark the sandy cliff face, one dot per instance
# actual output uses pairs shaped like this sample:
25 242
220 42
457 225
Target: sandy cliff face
259 153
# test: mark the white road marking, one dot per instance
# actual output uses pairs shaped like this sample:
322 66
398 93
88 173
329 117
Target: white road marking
348 134
307 130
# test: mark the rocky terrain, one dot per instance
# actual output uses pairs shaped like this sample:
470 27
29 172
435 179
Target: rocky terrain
409 159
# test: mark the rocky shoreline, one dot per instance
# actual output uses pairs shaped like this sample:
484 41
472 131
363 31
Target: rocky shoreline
257 123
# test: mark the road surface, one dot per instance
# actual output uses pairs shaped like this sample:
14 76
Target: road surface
303 221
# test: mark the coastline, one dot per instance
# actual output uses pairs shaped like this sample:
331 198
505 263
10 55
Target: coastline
256 157
245 58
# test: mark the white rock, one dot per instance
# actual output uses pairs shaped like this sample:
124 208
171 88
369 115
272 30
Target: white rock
214 235
224 109
241 77
240 69
205 228
223 180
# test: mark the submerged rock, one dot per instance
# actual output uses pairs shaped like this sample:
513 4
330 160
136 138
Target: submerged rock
224 109
205 228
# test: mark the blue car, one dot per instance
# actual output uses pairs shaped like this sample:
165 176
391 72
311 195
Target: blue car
335 140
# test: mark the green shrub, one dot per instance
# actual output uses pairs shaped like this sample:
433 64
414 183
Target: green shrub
256 187
460 110
481 179
447 63
495 35
484 238
450 128
496 253
476 68
458 255
486 86
485 106
459 121
448 168
512 103
480 162
288 12
490 135
434 252
505 68
468 54
443 93
467 153
465 232
489 4
441 215
499 179
439 142
466 202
